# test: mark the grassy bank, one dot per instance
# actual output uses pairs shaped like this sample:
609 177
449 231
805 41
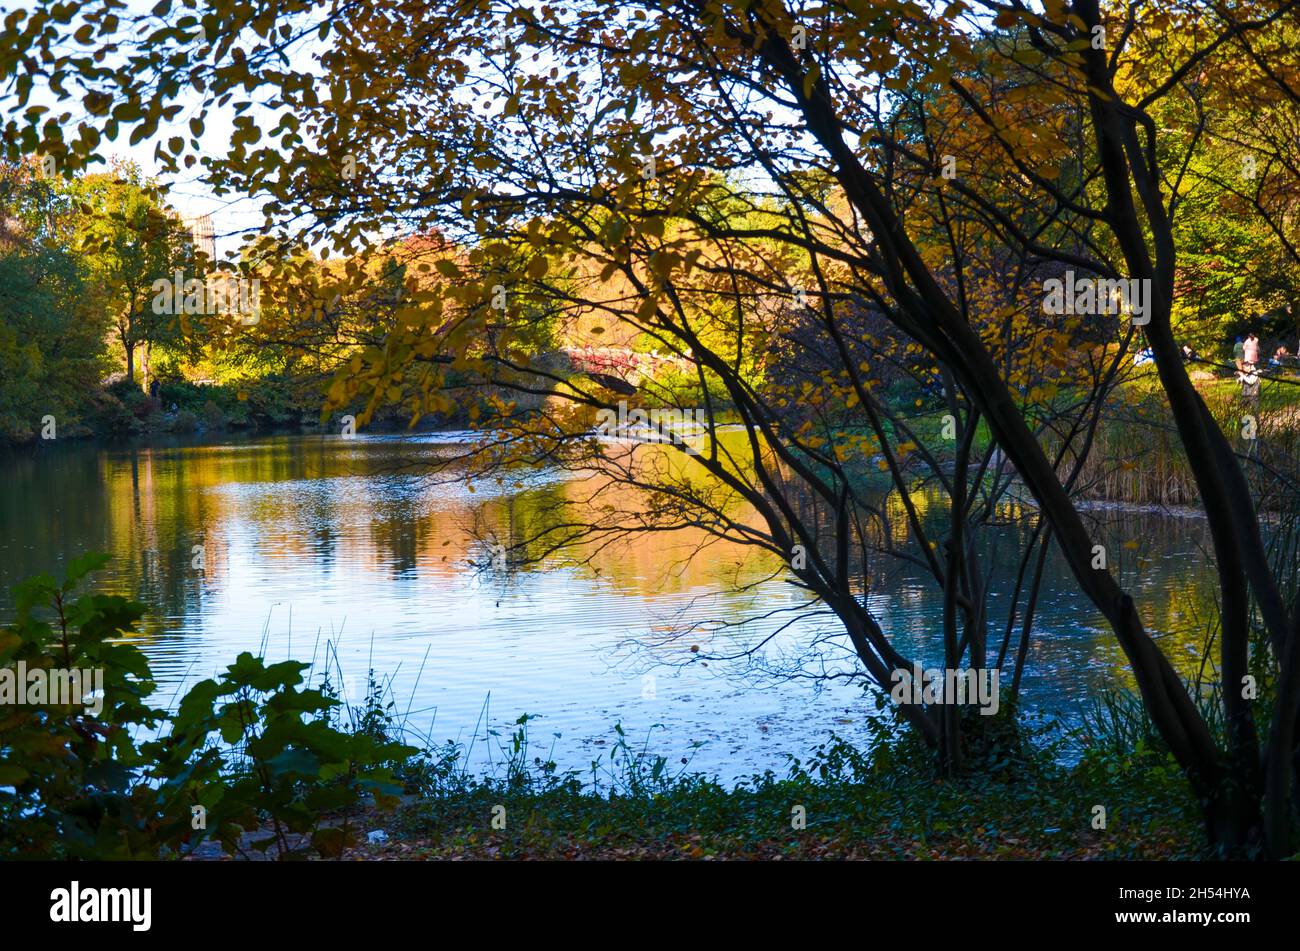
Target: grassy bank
882 802
122 410
1138 457
841 803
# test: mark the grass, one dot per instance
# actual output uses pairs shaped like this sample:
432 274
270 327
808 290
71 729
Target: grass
841 803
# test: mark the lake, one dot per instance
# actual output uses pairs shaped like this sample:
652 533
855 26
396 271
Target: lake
341 551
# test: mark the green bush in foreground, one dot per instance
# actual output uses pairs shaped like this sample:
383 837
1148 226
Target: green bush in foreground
250 758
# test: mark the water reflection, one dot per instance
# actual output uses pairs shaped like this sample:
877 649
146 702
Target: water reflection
286 543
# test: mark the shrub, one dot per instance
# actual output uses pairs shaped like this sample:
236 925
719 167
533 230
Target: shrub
127 391
280 761
74 776
259 754
185 422
213 417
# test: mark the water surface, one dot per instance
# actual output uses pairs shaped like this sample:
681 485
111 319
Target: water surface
324 548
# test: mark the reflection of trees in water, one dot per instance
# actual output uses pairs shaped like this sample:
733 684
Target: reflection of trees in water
372 503
1071 655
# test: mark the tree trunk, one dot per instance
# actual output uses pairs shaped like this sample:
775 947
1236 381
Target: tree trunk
1233 823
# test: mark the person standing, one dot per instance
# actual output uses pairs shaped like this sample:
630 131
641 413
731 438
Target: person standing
1239 354
1250 350
1249 388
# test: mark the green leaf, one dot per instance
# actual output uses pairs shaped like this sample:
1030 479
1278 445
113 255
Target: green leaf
78 568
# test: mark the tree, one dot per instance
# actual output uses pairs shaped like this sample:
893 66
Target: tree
977 150
51 334
131 240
